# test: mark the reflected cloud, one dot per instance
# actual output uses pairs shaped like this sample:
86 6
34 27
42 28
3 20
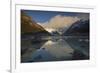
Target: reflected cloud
59 49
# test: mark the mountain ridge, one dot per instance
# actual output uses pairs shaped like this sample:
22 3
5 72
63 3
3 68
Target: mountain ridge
29 26
80 27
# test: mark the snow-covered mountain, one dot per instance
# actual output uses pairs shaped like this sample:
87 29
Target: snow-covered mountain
67 25
59 23
80 27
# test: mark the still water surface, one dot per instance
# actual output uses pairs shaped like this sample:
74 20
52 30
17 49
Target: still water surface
55 49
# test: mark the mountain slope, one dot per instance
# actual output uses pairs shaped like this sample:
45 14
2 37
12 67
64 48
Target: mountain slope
80 28
30 26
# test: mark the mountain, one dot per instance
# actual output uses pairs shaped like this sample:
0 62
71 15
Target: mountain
54 33
29 26
59 23
80 28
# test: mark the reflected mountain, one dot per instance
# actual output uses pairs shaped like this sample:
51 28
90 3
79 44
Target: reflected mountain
59 49
28 47
56 49
81 47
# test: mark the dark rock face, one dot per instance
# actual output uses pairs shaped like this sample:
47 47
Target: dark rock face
80 28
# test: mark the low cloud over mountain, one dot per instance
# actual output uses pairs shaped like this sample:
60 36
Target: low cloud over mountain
60 22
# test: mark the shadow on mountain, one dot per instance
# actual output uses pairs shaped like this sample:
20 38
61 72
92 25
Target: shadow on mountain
79 28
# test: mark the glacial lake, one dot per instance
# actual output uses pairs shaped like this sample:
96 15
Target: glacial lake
60 48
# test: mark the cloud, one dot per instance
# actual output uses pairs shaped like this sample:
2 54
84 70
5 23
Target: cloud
60 21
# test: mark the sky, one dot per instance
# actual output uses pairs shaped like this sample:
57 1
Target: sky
44 16
56 21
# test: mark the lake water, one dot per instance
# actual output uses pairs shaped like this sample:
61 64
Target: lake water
54 49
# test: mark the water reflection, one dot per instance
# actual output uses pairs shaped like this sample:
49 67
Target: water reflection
56 49
59 49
